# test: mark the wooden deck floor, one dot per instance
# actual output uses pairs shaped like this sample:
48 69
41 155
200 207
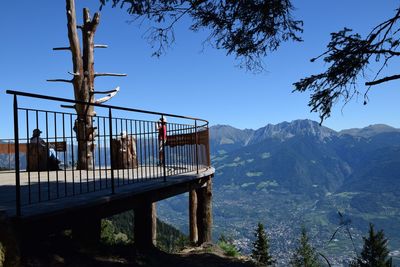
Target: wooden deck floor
56 191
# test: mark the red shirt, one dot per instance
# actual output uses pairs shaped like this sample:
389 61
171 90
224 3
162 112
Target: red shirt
162 131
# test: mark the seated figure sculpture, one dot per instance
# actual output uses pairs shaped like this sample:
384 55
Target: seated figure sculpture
41 156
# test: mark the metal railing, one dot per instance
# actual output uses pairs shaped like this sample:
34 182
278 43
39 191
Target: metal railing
116 150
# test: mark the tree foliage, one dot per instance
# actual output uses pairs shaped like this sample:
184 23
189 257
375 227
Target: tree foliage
305 255
349 55
260 252
247 29
375 252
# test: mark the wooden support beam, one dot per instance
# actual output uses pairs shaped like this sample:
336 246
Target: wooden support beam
204 213
193 235
145 223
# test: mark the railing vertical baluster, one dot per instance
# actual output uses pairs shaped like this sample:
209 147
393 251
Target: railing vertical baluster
163 124
55 149
208 147
153 157
38 160
137 152
17 170
148 148
65 155
87 149
196 148
178 149
121 154
175 153
128 144
132 140
182 154
105 150
47 155
78 162
27 157
117 154
93 151
98 150
141 154
72 155
9 154
111 149
190 148
187 147
145 150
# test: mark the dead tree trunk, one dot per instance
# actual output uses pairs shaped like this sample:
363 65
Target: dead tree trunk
83 81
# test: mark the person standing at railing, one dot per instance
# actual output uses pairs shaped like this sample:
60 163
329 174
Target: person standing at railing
162 138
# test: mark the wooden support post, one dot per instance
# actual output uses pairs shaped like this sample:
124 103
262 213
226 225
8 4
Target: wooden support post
145 226
204 213
193 235
88 230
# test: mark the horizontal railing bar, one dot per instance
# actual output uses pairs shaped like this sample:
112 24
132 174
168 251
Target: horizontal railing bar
118 118
49 111
12 92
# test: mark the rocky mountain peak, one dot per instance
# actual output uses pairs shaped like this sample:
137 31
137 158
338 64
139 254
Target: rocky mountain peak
286 130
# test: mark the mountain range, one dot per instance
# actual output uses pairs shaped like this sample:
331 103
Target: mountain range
302 154
300 173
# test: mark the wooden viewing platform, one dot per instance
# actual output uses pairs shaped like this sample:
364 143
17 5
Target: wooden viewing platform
123 164
66 195
84 210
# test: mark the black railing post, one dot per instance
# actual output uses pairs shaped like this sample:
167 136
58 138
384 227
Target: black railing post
17 171
163 141
111 149
196 148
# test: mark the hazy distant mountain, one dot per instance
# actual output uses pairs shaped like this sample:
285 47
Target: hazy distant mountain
370 131
228 135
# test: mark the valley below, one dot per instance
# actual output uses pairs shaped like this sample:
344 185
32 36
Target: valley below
298 174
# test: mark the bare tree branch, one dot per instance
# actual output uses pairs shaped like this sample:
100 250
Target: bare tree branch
386 79
61 48
60 80
108 97
110 74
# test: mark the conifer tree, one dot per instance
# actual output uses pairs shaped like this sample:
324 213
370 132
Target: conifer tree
305 255
260 252
375 252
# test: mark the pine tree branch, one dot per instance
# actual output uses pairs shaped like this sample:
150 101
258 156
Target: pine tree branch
386 79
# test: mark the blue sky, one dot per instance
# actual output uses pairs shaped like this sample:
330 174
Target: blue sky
188 80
